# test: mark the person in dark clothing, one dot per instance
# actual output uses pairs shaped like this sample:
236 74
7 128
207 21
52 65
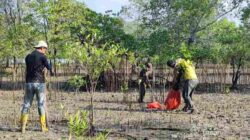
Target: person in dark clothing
36 62
144 79
142 84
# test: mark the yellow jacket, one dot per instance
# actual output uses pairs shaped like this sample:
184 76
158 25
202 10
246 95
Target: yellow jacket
188 69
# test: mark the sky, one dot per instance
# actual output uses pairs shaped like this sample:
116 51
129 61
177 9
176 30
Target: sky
101 6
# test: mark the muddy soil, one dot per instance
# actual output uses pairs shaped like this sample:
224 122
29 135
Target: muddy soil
219 116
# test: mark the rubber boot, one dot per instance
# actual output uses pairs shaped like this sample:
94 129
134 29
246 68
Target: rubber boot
24 119
43 123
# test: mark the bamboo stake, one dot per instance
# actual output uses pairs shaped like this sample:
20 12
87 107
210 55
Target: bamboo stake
45 99
14 98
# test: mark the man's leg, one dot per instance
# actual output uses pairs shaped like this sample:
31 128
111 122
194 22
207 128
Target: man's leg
28 98
40 94
191 94
185 96
191 86
142 92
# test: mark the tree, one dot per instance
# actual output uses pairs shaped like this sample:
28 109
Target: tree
181 20
57 21
62 25
235 47
17 34
96 58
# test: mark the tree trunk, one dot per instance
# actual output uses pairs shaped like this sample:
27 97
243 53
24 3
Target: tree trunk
236 73
91 114
1 76
55 70
7 62
14 59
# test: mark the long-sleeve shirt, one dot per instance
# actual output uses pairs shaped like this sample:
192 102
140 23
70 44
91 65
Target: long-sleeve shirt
35 64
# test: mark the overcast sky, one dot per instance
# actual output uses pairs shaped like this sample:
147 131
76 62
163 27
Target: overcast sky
101 6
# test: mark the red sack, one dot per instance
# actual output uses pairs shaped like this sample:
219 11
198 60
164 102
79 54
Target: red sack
173 99
154 105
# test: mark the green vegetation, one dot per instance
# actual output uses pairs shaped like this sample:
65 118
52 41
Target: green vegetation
162 30
78 123
79 126
76 82
195 30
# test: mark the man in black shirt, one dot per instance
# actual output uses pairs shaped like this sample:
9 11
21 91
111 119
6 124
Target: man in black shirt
146 71
36 62
142 84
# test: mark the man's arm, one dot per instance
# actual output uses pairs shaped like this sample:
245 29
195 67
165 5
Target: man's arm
47 65
149 68
175 75
177 78
26 58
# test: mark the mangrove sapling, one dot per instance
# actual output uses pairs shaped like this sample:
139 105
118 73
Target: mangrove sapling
96 58
64 112
78 124
102 135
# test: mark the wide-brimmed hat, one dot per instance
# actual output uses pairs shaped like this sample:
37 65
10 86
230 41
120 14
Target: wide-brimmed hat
41 44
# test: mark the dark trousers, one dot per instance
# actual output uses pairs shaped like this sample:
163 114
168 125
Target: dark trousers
188 89
142 88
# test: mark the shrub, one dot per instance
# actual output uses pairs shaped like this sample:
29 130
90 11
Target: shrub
76 82
78 123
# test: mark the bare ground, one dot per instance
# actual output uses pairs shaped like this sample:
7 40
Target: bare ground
220 116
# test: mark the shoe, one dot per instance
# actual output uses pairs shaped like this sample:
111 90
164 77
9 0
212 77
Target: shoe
140 101
23 120
43 123
193 111
185 108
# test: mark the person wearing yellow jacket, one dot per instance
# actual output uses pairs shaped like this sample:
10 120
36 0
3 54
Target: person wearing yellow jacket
185 69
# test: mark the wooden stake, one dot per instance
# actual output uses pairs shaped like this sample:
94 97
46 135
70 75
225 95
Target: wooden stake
45 100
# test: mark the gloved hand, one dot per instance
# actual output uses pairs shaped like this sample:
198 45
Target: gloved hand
139 81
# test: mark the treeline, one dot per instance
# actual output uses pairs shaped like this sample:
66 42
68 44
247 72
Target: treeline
161 30
63 24
196 30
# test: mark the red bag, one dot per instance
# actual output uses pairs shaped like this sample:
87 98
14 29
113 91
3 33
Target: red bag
154 105
173 99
